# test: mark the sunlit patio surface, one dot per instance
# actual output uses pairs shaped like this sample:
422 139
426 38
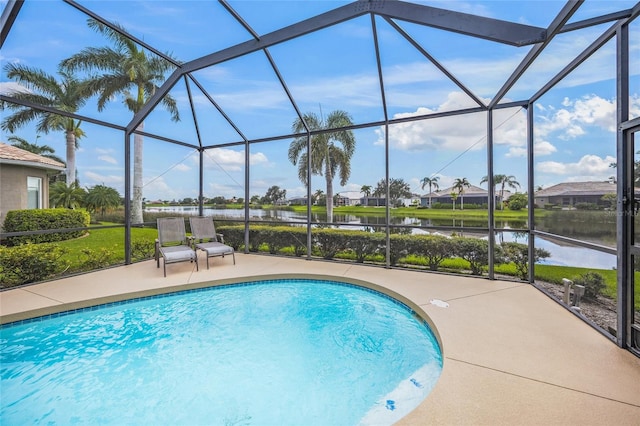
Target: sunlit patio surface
511 355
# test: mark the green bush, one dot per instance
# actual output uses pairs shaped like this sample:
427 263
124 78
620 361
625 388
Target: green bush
97 259
142 249
30 263
593 284
233 235
434 248
399 247
473 250
517 201
329 241
587 206
518 254
364 244
42 219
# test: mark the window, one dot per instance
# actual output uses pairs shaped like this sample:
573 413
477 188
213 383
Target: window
34 192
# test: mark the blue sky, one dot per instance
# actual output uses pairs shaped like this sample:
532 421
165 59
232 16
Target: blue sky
336 69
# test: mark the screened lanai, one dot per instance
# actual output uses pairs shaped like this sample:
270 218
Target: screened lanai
462 105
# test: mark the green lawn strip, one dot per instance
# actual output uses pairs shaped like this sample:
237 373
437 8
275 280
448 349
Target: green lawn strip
555 274
100 241
421 213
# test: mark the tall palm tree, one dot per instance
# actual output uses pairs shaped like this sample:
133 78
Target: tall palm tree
66 94
502 180
42 150
458 185
431 182
331 152
126 68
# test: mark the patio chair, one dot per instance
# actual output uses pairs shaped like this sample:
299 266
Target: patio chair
172 243
206 239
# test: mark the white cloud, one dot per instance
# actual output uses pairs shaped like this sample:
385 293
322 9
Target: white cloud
589 167
115 181
230 160
455 133
158 189
572 120
539 148
107 159
9 87
182 167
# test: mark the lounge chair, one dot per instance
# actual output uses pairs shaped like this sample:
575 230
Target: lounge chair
205 238
172 243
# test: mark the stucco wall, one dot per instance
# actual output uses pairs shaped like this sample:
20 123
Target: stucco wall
13 187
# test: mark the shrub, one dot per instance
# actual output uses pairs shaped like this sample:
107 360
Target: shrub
30 263
142 249
473 250
517 201
364 244
593 284
587 206
519 255
329 241
233 235
399 247
97 259
42 219
434 248
298 240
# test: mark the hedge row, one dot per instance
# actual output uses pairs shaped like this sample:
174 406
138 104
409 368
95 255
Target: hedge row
329 243
43 219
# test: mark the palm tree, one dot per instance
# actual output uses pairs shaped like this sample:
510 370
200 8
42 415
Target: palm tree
42 150
454 196
126 68
502 180
331 151
102 198
458 185
67 94
431 182
317 196
366 190
66 196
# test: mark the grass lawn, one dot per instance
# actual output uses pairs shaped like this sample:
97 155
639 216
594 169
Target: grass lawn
107 242
555 274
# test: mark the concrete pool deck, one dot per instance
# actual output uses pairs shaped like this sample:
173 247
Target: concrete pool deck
512 356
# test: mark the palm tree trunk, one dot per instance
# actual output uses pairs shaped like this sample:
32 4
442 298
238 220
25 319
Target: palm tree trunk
71 157
462 202
136 202
329 197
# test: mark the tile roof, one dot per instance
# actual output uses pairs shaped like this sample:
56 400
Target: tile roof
12 154
577 188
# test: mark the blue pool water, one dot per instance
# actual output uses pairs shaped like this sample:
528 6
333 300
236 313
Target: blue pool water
268 353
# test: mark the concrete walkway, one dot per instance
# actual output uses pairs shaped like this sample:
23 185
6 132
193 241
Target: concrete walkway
512 356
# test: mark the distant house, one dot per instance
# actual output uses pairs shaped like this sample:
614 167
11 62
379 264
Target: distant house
472 195
297 201
569 194
373 201
24 179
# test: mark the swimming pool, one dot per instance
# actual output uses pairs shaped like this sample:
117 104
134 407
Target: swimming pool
269 352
